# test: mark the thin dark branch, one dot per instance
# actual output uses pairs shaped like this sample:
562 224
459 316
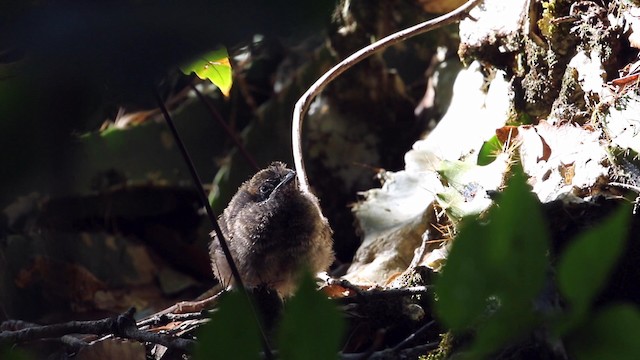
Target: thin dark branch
167 318
172 342
216 115
69 341
212 218
97 327
305 100
72 343
409 353
122 325
404 343
202 194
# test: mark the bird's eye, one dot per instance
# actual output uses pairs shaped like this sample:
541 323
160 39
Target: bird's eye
266 189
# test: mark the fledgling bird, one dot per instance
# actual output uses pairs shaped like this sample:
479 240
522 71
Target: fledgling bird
274 231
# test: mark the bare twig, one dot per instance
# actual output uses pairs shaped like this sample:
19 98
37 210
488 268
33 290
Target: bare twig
303 103
202 194
404 343
70 342
160 320
398 350
409 353
129 330
36 332
122 325
212 218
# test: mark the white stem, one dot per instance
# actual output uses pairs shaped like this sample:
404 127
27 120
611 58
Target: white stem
305 100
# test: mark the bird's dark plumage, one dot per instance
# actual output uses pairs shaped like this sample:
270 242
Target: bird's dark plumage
274 231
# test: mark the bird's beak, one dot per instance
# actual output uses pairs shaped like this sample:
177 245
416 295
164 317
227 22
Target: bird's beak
287 179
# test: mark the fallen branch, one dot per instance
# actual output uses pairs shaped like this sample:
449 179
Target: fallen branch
123 326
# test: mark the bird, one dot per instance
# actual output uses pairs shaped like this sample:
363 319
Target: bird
275 231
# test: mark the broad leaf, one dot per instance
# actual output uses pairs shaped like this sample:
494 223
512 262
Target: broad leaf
489 151
495 270
213 66
311 326
610 334
587 262
232 333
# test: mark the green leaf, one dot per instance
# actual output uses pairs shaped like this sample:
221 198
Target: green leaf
524 119
213 66
489 150
464 286
311 325
500 263
232 333
466 185
504 325
588 261
611 334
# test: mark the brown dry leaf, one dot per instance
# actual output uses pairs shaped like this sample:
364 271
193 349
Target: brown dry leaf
336 291
166 327
436 258
68 281
145 268
568 172
117 301
394 218
507 134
